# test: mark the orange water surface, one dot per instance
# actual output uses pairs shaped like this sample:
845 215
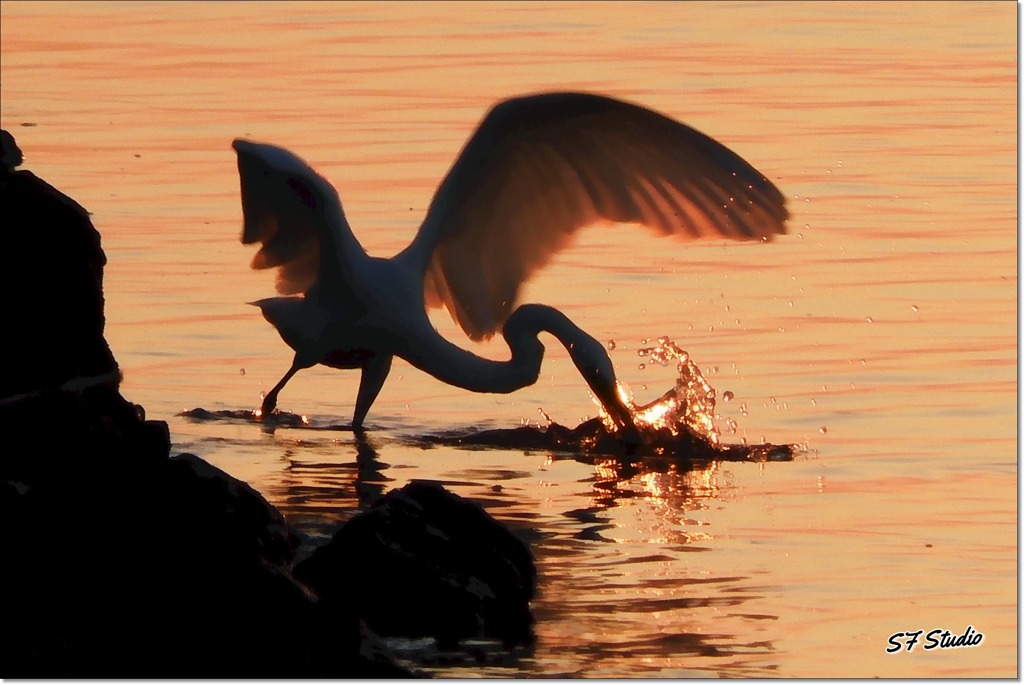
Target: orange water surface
880 334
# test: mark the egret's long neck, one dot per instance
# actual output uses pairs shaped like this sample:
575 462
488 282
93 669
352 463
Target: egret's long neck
456 366
432 353
587 353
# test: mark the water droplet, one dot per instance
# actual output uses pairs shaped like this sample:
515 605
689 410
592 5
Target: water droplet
823 430
611 344
241 371
913 307
870 320
642 353
727 396
641 366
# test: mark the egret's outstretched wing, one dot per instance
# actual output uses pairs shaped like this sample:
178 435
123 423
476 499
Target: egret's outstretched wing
296 216
539 167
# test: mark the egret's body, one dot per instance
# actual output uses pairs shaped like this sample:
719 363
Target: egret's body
537 169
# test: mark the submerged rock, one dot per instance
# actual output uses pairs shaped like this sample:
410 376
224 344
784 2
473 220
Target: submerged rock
591 441
425 562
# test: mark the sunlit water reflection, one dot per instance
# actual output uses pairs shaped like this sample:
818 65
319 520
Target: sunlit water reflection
881 333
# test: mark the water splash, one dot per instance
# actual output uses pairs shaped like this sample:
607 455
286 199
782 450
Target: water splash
689 407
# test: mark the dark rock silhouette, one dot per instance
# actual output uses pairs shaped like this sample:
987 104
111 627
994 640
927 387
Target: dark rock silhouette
426 562
56 362
57 271
176 571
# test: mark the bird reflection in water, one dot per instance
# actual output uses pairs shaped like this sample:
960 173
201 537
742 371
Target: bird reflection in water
315 489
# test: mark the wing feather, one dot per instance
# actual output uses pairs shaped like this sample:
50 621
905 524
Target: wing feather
295 215
540 167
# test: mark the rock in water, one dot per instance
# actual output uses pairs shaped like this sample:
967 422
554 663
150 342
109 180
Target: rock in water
425 562
53 276
58 379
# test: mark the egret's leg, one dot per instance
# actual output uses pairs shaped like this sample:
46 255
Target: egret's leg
375 372
270 399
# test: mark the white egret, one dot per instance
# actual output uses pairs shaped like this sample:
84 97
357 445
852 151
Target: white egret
538 168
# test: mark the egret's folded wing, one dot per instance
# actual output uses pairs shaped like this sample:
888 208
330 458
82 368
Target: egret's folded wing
292 212
540 167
